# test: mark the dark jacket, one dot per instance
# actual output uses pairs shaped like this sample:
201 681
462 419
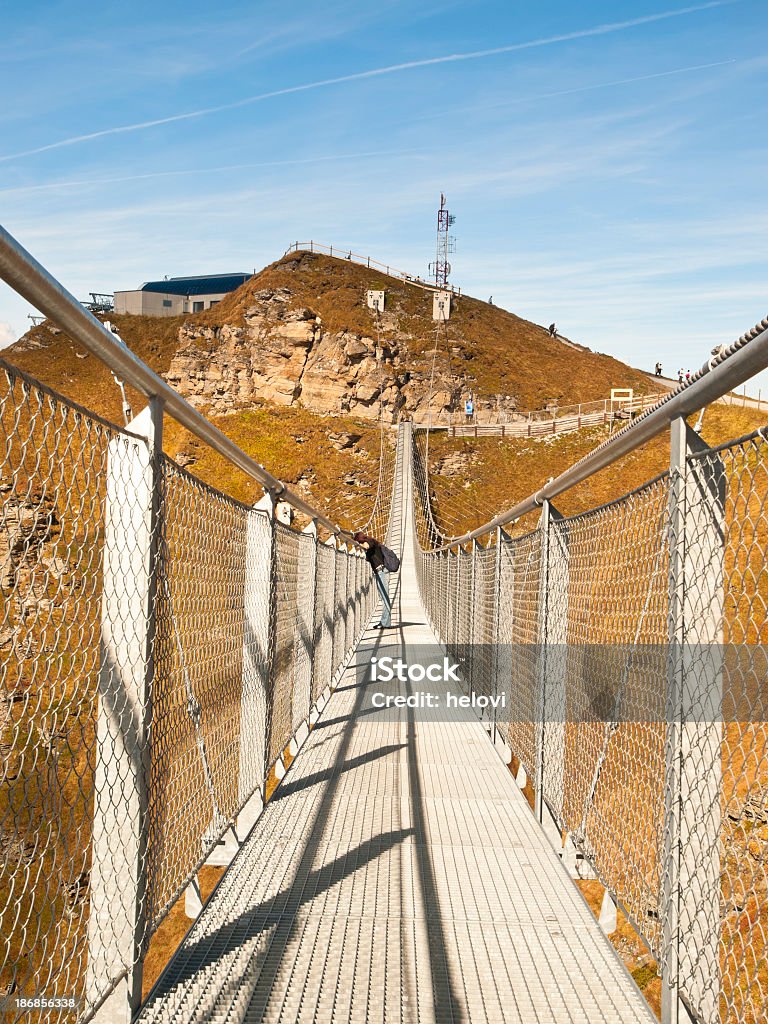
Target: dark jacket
374 554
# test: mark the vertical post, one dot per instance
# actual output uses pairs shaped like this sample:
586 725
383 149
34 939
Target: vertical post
269 618
117 922
553 635
538 807
691 896
472 615
257 659
302 683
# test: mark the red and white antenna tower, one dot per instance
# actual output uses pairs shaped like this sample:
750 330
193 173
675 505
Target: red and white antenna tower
441 268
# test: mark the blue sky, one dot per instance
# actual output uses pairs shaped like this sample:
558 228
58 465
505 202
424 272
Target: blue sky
606 161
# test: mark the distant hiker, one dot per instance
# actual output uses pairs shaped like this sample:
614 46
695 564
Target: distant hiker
687 376
680 376
658 369
469 410
553 330
377 557
490 300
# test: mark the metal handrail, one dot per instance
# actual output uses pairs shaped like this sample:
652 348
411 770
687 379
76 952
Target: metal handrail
371 264
728 368
20 270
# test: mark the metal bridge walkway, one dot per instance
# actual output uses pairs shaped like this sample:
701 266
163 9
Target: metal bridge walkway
396 875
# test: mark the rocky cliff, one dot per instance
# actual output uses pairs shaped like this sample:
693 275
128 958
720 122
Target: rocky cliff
301 332
282 353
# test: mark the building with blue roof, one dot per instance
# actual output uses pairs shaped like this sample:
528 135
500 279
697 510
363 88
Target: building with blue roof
175 296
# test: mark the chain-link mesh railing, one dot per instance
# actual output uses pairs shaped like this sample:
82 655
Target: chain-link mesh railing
519 597
54 485
199 767
161 645
630 651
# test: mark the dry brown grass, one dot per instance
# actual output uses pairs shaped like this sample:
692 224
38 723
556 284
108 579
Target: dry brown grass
291 442
506 470
633 953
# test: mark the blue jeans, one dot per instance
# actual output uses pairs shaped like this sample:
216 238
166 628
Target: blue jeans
382 577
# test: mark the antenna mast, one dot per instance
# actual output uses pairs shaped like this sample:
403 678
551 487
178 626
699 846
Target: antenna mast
441 268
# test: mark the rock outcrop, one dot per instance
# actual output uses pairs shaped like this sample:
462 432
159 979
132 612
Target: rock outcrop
283 354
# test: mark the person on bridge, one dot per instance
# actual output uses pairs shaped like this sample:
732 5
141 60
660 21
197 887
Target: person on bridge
375 558
469 409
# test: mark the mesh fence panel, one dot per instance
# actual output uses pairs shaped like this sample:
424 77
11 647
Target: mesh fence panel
160 645
604 735
305 625
322 670
286 599
53 494
202 635
632 652
519 590
484 622
340 610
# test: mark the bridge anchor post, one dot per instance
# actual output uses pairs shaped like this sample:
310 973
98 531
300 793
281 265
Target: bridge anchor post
302 686
690 908
551 697
118 893
259 557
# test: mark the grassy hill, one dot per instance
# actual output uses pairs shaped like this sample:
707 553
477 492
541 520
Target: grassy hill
493 350
294 444
495 473
496 351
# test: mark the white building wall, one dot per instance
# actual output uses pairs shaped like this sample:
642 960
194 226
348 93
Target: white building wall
141 303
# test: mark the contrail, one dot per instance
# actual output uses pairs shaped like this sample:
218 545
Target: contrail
596 30
79 183
183 171
584 88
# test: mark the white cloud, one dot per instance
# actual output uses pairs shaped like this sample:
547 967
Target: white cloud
7 334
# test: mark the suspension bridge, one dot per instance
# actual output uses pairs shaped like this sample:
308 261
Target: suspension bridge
167 651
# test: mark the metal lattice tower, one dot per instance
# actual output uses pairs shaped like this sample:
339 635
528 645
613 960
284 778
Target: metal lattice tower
441 268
